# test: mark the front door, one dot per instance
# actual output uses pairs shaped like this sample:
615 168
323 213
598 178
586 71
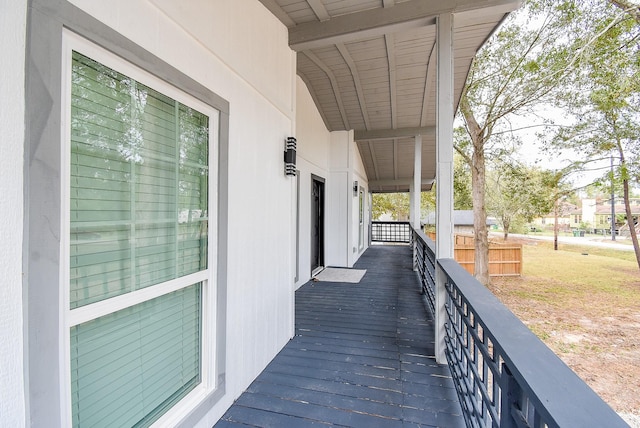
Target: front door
317 224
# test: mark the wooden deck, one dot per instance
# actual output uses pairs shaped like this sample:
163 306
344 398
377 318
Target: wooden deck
362 357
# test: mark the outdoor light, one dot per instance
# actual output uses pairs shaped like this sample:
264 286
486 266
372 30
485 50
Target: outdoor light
355 188
290 156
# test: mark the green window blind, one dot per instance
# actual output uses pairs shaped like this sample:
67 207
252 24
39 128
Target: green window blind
129 367
139 217
139 185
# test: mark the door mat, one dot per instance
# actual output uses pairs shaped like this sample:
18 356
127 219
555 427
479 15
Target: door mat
340 275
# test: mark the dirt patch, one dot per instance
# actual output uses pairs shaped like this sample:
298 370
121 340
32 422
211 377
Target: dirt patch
596 334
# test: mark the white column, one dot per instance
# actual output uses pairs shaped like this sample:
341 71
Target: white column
417 183
444 169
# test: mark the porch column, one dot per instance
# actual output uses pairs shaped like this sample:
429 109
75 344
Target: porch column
444 170
416 189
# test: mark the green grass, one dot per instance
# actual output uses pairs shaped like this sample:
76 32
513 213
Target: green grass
574 267
584 303
592 250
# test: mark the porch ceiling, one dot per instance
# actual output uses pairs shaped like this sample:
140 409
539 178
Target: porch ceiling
370 66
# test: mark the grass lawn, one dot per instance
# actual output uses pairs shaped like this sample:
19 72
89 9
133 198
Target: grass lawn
584 303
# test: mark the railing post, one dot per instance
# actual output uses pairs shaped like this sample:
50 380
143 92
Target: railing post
414 245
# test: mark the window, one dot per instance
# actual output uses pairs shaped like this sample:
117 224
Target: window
139 278
361 218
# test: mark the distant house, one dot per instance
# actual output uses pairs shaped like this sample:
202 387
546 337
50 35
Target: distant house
568 215
602 215
592 213
462 221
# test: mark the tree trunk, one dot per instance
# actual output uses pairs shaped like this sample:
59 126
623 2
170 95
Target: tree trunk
627 208
478 177
556 227
632 9
506 225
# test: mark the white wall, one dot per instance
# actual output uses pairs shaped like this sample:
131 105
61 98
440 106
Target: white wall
340 211
312 158
240 51
12 46
335 157
346 168
358 174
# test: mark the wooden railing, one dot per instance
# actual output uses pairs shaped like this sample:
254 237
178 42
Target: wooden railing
505 259
504 375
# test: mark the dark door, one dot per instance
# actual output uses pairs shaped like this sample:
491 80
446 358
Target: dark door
317 223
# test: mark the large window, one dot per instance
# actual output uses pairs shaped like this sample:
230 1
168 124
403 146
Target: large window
361 204
138 243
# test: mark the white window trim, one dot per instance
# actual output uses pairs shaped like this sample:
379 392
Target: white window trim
68 318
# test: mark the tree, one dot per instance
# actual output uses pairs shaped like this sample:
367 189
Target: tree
628 7
605 99
519 193
398 205
518 69
462 199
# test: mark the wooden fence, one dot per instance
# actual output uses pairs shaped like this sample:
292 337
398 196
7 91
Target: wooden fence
505 259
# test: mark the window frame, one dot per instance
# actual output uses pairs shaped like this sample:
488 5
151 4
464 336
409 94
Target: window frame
208 277
361 217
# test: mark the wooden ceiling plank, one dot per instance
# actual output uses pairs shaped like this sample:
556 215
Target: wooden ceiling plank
334 85
356 81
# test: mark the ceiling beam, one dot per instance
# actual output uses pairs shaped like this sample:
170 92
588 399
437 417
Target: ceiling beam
389 40
356 81
279 13
387 134
395 157
374 159
334 85
428 83
318 8
399 182
380 21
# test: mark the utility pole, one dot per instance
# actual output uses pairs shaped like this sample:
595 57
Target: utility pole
613 205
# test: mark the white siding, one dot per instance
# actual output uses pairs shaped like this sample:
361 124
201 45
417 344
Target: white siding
312 158
239 51
12 46
335 157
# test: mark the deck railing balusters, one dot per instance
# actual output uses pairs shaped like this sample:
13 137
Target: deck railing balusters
504 375
391 231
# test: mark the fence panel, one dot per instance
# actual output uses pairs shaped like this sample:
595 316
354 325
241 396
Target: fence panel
504 259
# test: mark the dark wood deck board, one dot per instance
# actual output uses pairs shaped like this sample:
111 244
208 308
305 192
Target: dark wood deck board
362 356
